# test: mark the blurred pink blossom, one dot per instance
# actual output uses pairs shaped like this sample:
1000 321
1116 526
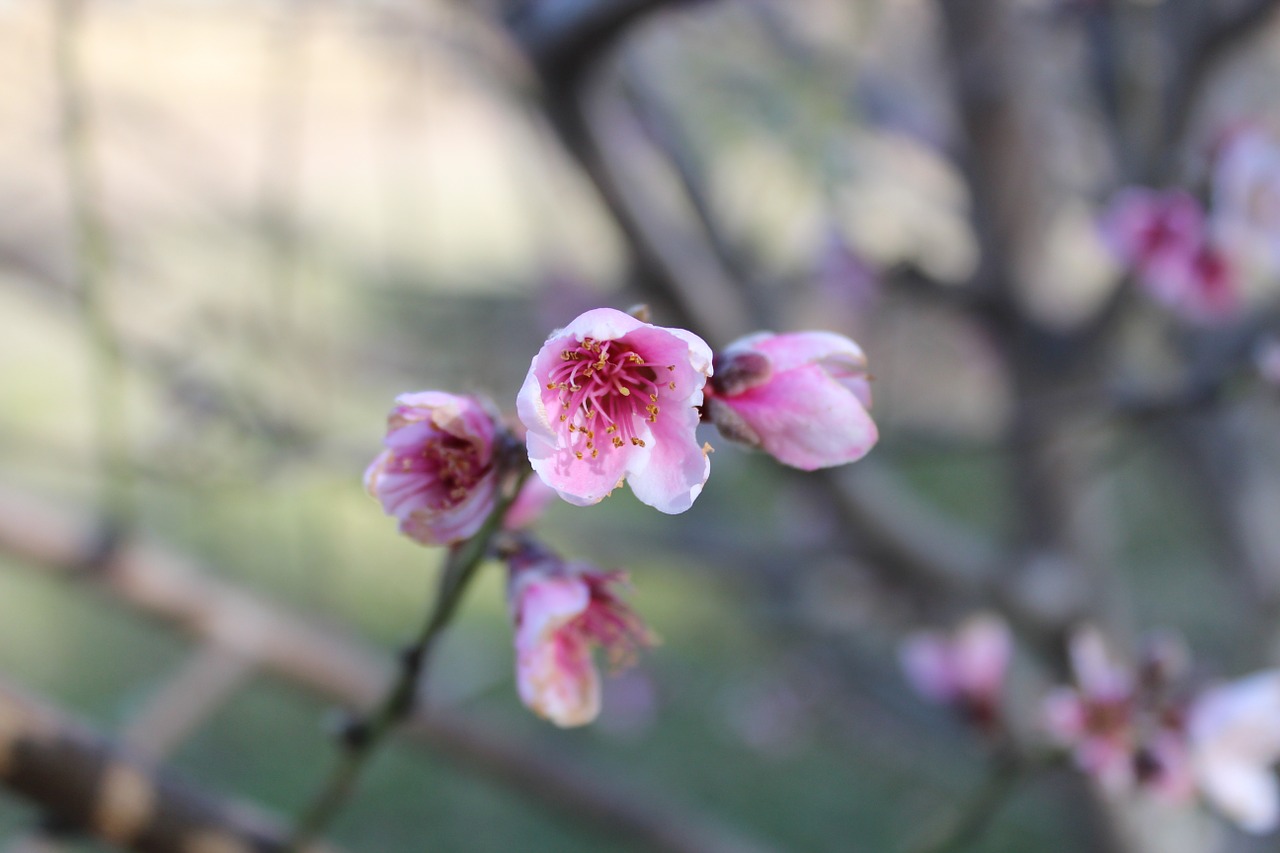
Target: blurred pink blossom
561 610
801 397
965 669
1234 734
531 501
1163 238
1123 733
1246 198
436 474
609 398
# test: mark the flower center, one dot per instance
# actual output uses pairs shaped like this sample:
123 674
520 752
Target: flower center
607 393
452 464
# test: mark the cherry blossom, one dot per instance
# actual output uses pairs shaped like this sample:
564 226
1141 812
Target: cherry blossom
965 669
437 473
1234 732
561 611
609 398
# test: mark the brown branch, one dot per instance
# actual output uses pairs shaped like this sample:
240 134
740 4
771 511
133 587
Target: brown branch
561 39
87 782
172 589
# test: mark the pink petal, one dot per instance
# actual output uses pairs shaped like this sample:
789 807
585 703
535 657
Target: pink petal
671 474
982 648
926 661
807 419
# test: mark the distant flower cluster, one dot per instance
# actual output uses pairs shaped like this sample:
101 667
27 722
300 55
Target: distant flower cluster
1199 260
609 399
1131 727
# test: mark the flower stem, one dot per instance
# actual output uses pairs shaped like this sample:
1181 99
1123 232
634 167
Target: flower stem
362 737
969 826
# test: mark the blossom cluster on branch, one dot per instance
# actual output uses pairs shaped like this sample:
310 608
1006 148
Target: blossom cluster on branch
1200 260
609 399
1143 727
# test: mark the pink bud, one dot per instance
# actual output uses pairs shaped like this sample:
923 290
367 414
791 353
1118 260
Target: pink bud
610 398
801 397
965 669
561 611
437 474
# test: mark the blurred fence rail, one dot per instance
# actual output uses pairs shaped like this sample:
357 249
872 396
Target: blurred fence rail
170 587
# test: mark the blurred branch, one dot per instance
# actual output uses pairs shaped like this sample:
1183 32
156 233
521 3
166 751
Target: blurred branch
207 679
170 588
88 782
561 39
1210 42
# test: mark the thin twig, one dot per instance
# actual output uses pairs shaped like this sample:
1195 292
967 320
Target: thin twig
363 737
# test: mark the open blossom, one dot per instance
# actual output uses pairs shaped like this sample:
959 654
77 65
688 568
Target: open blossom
436 474
1123 730
561 611
1234 732
1164 239
965 670
609 398
801 397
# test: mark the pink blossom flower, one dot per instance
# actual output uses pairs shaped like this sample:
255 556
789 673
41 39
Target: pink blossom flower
561 611
1146 228
1246 198
1235 740
1124 732
965 670
437 473
1163 238
609 398
801 397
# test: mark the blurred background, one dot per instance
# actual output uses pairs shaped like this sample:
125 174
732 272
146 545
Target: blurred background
231 233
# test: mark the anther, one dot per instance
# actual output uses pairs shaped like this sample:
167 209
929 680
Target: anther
577 453
638 442
624 390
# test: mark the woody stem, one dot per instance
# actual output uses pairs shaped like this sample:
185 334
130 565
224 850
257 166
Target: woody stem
361 737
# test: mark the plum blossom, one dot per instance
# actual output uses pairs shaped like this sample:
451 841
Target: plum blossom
1122 727
1234 733
965 670
437 473
609 398
562 610
1164 239
1246 199
801 397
